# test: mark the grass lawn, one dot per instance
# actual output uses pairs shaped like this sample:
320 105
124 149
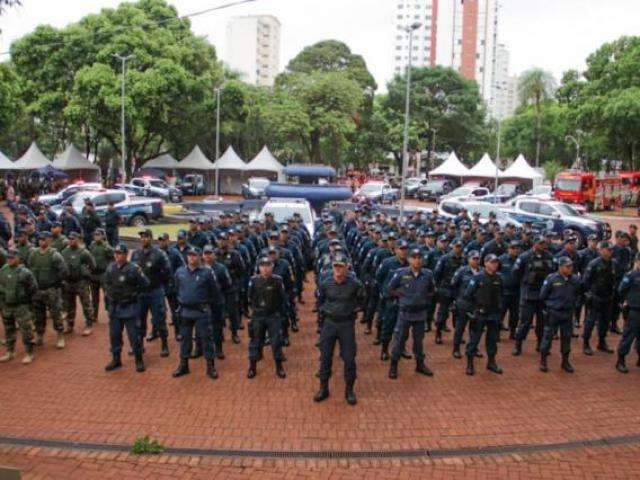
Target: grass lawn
157 229
171 208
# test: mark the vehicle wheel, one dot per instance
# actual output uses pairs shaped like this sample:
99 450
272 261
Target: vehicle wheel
138 221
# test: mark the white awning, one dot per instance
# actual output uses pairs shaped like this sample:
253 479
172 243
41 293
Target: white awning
32 159
521 169
265 161
485 168
196 160
451 167
162 161
230 161
72 159
6 163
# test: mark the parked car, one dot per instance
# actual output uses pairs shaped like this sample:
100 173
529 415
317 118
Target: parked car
132 189
413 184
255 187
541 192
560 216
133 210
192 184
378 192
509 190
154 187
284 208
434 189
68 191
467 191
452 207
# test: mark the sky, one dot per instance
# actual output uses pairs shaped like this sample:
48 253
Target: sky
555 35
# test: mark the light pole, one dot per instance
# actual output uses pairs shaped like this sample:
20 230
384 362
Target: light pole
217 179
405 145
124 60
499 119
575 140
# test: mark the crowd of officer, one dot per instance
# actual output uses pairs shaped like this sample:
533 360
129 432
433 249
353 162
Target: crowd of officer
425 274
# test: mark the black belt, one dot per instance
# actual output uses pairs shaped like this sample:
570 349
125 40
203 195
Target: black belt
341 318
413 309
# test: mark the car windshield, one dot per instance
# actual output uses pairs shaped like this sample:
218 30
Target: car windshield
564 209
371 188
568 184
435 184
413 181
158 183
460 191
506 189
258 182
281 213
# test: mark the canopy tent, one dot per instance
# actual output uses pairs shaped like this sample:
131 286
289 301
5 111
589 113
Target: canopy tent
521 169
230 169
6 163
265 164
163 162
451 167
197 162
32 159
77 165
53 173
485 168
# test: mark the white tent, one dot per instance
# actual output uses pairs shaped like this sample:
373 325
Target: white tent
71 160
230 169
32 159
451 167
196 160
485 168
164 161
6 163
265 163
521 169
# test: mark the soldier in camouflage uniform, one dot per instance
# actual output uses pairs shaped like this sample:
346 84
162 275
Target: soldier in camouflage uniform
49 269
80 263
102 254
57 240
17 288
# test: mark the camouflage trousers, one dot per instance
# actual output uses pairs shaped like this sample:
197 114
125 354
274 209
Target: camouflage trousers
17 317
47 299
81 290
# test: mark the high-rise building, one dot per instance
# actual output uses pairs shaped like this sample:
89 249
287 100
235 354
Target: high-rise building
253 48
425 38
498 104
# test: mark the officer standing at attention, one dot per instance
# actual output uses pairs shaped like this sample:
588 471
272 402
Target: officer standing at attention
17 288
217 309
155 265
340 296
629 294
484 293
102 255
111 224
268 304
124 281
559 293
443 274
531 269
80 264
510 289
459 284
49 269
414 288
176 261
196 288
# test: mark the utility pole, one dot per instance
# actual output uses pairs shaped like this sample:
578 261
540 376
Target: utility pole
124 60
217 179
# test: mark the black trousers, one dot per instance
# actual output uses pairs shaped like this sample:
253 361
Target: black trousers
630 333
529 309
343 332
557 321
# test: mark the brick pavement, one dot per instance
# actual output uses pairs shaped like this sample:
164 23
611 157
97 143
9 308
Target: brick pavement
67 395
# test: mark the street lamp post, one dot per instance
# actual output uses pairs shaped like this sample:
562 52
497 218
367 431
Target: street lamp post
405 145
124 60
575 140
495 189
217 179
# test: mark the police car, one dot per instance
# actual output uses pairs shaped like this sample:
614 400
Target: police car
68 191
284 208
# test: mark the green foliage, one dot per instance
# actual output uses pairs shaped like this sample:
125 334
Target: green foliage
146 446
552 168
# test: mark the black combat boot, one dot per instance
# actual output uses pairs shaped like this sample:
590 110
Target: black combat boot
621 366
603 347
543 363
235 338
183 368
285 342
377 340
406 355
393 369
586 348
349 394
139 363
219 352
566 364
538 341
438 336
422 369
492 366
115 363
384 354
211 370
323 393
253 369
456 351
164 351
517 349
470 370
153 335
197 350
280 370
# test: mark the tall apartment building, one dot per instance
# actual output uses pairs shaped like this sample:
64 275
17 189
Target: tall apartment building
462 34
253 48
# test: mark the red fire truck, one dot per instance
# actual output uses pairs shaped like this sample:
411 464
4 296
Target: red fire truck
630 188
593 191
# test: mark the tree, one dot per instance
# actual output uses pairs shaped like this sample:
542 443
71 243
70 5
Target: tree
551 169
535 87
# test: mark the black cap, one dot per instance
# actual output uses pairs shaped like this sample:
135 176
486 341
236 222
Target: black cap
339 259
181 234
402 244
539 239
223 236
392 235
274 234
606 245
146 233
334 241
56 224
163 236
271 250
515 244
99 231
491 258
194 251
208 249
265 261
592 237
474 254
571 239
415 252
443 238
564 261
13 252
456 243
121 248
74 235
43 234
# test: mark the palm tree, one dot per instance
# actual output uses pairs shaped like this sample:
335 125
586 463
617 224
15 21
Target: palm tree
536 86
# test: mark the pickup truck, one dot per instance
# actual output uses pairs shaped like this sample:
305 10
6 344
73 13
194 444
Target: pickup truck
135 211
68 191
154 187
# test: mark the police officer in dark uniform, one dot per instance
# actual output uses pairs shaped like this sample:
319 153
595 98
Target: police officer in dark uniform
124 281
414 288
111 224
459 284
510 289
623 255
232 259
599 283
484 294
443 274
217 309
531 269
176 261
340 296
629 294
196 288
155 265
267 301
559 293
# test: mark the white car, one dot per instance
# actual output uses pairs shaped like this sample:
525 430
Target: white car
68 191
154 187
452 207
379 192
284 208
467 191
541 192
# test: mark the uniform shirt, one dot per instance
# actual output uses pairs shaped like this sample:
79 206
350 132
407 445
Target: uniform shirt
340 300
122 285
493 246
559 293
17 285
48 267
232 259
79 261
385 273
460 282
585 256
510 284
629 289
196 289
444 271
155 265
484 293
266 295
414 291
624 257
531 268
600 278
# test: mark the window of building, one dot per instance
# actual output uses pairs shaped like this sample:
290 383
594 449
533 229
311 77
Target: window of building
399 47
400 17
